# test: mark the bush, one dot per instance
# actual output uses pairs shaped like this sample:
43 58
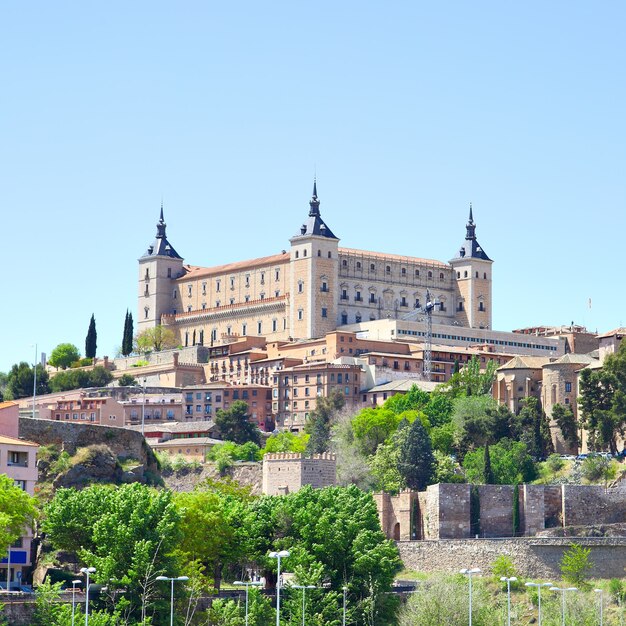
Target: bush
555 463
576 564
127 380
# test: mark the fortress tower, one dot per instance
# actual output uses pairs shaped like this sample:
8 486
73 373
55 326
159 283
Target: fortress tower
472 273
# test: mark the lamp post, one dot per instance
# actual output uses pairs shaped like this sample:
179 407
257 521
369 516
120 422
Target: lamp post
172 580
508 582
34 381
278 556
563 590
304 588
539 586
599 591
143 408
469 573
345 593
247 585
74 583
87 571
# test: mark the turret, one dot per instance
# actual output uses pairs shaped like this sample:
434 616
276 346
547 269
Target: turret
158 268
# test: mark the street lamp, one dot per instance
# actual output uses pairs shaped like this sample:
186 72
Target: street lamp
539 586
172 580
87 571
250 584
304 588
599 591
143 408
74 583
469 573
563 590
345 592
508 582
278 556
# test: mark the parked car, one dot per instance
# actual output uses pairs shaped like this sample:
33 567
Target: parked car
568 457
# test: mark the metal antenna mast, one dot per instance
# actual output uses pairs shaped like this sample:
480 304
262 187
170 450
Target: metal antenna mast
428 344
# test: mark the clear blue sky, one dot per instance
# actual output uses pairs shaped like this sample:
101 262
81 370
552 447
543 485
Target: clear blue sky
408 111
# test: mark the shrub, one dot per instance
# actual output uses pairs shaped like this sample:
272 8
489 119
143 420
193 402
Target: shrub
127 380
576 564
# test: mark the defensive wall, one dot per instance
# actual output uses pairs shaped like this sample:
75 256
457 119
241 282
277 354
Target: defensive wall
462 511
70 436
285 473
533 557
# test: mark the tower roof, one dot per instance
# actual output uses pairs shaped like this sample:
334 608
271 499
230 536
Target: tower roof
161 246
470 247
315 225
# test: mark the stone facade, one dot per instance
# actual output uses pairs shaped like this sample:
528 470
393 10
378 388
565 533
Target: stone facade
443 511
532 557
308 291
286 473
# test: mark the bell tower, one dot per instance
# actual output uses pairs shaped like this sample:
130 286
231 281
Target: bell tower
472 273
158 268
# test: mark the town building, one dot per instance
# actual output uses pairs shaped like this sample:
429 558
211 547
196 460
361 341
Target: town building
18 461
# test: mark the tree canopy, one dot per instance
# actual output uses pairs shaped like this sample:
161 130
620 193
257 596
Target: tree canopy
155 339
91 340
17 512
235 425
20 381
64 355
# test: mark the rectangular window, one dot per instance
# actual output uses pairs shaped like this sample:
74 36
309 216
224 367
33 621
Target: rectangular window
568 387
324 312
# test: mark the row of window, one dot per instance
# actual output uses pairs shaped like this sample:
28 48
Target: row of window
497 342
465 275
329 254
389 271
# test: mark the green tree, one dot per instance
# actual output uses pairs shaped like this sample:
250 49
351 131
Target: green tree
64 355
127 533
286 442
471 381
234 423
596 468
488 477
373 426
510 464
91 339
576 564
127 380
535 429
416 462
155 339
17 512
566 421
127 337
447 469
473 420
20 381
384 464
80 379
212 530
321 421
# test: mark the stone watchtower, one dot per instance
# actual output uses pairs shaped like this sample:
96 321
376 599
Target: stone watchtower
158 268
288 472
472 274
314 274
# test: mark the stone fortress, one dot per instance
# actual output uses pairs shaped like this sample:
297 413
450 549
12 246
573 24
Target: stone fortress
309 290
449 511
285 473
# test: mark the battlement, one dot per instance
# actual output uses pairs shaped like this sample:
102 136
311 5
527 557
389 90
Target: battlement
294 456
287 472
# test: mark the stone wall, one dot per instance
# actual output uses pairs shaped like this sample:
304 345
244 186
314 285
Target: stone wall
287 472
443 510
496 510
532 557
70 436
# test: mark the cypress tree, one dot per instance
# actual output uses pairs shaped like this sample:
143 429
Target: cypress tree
416 462
488 476
91 339
127 339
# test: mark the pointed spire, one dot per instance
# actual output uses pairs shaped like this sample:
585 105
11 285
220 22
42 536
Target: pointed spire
161 224
471 227
314 211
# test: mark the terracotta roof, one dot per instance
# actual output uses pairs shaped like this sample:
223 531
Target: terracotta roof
193 271
394 257
575 359
15 442
182 441
7 404
525 362
618 331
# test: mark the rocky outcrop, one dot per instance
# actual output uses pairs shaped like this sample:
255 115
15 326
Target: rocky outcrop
246 474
